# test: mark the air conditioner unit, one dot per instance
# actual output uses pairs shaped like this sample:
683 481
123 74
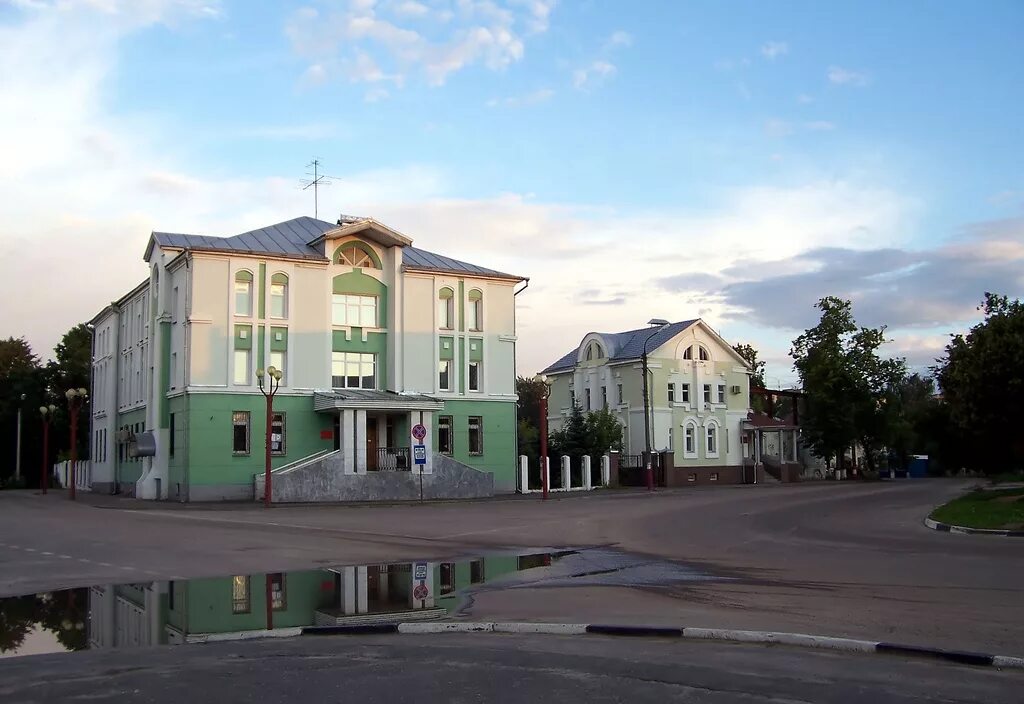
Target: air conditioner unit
734 389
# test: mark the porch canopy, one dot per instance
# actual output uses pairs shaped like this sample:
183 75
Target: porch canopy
366 399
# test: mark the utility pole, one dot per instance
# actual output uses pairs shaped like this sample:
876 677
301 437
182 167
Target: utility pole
17 460
318 179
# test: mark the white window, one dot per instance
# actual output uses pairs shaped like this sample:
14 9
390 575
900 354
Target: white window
444 375
355 311
690 440
711 448
353 370
721 393
704 355
588 399
476 311
277 360
604 397
475 369
684 393
174 305
243 294
707 393
446 309
671 393
242 364
688 353
670 439
279 296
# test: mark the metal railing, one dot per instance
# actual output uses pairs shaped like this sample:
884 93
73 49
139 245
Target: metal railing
392 459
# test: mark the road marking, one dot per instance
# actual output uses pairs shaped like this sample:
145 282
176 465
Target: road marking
30 549
82 559
126 569
46 553
104 564
64 557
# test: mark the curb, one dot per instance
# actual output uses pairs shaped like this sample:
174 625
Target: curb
964 530
801 640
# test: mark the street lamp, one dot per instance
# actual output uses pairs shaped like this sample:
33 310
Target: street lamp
76 397
17 452
543 379
268 392
47 415
660 325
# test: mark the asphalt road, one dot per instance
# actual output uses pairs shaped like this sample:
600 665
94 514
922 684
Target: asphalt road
494 668
846 560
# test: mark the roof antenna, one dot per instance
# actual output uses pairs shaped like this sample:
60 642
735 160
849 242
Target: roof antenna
318 180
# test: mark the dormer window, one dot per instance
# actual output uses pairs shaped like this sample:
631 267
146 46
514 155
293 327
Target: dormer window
704 355
594 351
356 254
688 353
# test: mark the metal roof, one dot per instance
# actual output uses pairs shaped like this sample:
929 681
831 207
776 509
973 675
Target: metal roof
290 238
416 258
367 398
626 345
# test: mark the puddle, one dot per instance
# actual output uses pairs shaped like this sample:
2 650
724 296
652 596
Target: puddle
247 606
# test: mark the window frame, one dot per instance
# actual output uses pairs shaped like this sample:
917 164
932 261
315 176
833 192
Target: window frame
671 392
283 449
684 392
711 440
688 353
721 394
604 396
619 389
707 393
359 304
477 571
283 298
479 427
235 424
586 396
446 309
344 376
446 578
241 605
444 366
240 278
476 368
245 366
282 366
475 311
283 591
703 354
690 440
447 423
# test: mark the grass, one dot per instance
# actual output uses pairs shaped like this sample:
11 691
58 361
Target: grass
1002 509
1007 477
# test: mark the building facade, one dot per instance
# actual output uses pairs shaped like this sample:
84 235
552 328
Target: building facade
699 394
373 336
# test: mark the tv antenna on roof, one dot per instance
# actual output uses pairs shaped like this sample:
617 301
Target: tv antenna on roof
318 180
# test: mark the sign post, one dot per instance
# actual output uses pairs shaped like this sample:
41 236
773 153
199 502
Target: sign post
420 592
419 450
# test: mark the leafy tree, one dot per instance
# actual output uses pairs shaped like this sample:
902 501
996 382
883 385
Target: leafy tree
982 377
20 374
72 363
749 353
573 438
604 432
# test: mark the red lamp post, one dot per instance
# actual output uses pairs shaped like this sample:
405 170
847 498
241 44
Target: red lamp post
46 412
269 391
544 434
76 398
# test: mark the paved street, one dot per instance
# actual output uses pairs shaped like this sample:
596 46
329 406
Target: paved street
846 560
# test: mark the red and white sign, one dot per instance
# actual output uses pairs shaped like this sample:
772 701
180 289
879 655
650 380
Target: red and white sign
418 431
421 592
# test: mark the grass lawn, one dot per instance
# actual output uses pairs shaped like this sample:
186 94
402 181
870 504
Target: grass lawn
1003 509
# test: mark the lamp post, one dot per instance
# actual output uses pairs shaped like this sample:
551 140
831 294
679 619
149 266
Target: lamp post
649 471
17 452
542 378
76 397
46 412
268 391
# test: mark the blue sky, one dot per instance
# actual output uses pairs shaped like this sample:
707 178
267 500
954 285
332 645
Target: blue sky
657 159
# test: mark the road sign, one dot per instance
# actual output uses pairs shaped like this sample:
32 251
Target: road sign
419 454
418 431
420 572
420 592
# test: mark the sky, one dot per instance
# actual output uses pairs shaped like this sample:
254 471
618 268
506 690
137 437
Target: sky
734 161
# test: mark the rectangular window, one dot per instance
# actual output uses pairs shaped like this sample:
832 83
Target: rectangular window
243 298
446 313
691 477
240 434
474 376
476 572
239 594
355 311
353 370
277 360
684 394
690 440
444 435
712 444
587 395
619 389
278 598
242 364
446 578
444 375
670 439
278 301
170 441
721 393
476 435
671 393
174 305
714 476
572 398
277 434
174 369
476 309
707 393
604 397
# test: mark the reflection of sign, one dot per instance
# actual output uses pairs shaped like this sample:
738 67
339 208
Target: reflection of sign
326 434
420 572
419 454
421 592
418 431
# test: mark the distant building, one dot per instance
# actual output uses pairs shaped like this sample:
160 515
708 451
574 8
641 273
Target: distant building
373 336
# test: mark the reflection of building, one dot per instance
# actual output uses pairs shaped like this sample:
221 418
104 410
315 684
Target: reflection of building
234 607
374 336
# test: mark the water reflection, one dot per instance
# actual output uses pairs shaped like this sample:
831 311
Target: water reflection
44 623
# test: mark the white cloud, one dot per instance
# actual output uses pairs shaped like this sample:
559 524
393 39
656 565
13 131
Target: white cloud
819 126
776 127
370 42
846 77
772 50
619 38
592 75
375 95
515 101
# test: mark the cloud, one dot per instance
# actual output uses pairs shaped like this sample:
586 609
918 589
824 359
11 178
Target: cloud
592 75
375 95
776 127
804 99
306 131
846 77
619 38
772 50
363 41
819 126
537 96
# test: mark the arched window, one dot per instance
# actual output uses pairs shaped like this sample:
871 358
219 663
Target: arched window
705 356
476 310
711 448
356 254
688 353
279 296
243 293
690 439
446 308
594 351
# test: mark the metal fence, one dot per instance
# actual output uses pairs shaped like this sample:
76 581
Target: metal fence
393 459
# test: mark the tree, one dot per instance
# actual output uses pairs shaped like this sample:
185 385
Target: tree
604 432
749 353
20 374
982 377
72 363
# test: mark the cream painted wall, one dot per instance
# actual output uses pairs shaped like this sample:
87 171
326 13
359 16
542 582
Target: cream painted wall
419 348
210 331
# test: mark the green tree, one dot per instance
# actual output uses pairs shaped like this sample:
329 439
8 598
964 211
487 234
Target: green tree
71 368
982 377
749 353
20 375
604 432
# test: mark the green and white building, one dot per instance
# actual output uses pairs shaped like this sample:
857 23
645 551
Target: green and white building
699 395
373 335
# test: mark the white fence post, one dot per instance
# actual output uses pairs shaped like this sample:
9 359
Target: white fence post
587 484
524 474
606 470
566 474
547 472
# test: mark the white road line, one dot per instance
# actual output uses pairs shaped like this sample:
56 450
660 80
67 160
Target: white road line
104 564
64 557
30 549
46 553
126 569
14 547
82 559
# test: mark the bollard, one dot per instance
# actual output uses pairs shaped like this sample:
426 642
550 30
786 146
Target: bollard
566 474
524 474
586 473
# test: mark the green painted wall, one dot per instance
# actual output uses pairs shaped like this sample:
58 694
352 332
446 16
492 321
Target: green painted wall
262 295
177 465
210 460
261 342
446 347
376 343
499 420
129 469
462 366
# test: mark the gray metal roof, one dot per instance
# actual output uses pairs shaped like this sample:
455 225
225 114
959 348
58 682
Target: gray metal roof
626 345
416 258
290 238
368 398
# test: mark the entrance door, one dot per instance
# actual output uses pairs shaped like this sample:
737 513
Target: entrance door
371 444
